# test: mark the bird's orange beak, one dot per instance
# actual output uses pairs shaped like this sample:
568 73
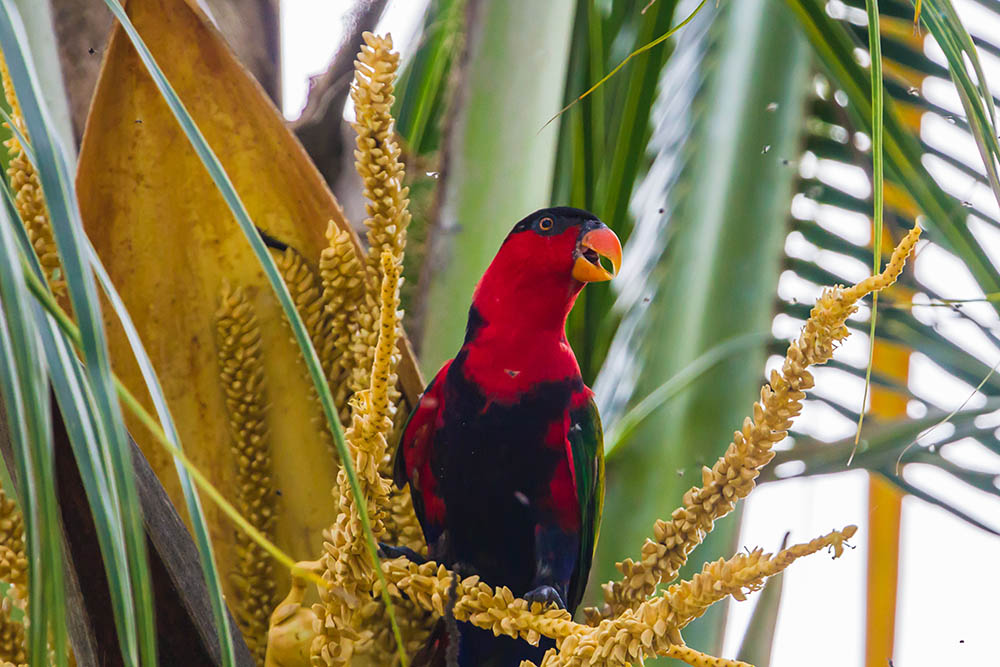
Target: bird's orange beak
594 245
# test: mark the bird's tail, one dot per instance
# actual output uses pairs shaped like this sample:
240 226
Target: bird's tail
476 648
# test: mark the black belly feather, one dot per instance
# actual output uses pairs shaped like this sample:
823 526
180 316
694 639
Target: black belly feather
494 468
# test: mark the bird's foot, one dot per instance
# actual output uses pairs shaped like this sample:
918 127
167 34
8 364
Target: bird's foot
545 594
390 551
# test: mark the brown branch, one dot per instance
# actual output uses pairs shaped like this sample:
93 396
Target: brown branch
319 127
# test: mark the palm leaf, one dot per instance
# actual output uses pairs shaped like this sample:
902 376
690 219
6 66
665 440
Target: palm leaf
26 396
57 185
422 90
729 118
602 138
77 409
946 215
511 86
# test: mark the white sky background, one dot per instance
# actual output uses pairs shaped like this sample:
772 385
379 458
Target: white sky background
943 617
311 31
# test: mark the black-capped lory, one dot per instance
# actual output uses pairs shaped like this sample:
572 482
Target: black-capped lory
504 451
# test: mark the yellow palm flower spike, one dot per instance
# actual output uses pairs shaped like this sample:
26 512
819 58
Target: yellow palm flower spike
377 160
241 373
344 287
13 560
345 606
733 475
12 636
14 571
649 630
305 287
378 153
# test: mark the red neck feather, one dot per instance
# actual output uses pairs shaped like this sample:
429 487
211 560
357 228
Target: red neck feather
523 301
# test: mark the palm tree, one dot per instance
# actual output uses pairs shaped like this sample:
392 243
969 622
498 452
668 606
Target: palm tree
736 161
722 155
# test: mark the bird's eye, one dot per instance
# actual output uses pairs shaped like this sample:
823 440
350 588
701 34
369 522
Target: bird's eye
545 224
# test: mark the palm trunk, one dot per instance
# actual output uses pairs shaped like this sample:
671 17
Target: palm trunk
500 165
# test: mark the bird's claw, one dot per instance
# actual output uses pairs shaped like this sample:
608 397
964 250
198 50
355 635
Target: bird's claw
546 595
391 551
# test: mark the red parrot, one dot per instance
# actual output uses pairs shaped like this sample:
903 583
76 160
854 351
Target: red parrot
504 452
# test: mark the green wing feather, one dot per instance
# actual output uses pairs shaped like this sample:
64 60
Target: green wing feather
586 438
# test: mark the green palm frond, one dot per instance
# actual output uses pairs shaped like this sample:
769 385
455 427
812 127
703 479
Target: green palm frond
702 263
499 167
829 221
603 138
135 606
838 136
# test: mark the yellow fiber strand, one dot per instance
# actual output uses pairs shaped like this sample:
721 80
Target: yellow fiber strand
241 372
28 196
733 475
